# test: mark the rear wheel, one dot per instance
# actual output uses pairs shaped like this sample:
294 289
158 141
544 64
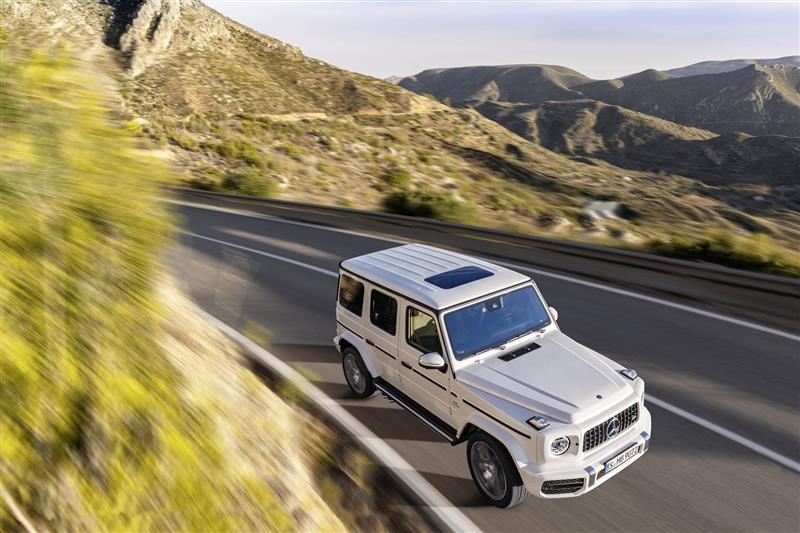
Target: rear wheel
494 472
356 373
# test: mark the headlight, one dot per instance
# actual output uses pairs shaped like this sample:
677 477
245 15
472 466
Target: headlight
537 423
559 445
629 373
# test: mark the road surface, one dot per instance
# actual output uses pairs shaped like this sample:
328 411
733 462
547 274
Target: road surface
741 381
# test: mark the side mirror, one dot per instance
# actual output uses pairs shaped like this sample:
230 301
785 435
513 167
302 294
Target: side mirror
554 312
431 360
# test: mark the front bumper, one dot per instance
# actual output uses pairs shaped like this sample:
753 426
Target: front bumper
590 470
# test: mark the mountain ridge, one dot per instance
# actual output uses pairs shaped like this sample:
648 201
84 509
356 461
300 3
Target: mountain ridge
716 67
759 100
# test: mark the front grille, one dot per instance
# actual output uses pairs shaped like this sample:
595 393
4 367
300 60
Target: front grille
562 486
597 435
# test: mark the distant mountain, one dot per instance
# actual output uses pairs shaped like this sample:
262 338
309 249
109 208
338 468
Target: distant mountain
513 83
635 140
759 100
716 67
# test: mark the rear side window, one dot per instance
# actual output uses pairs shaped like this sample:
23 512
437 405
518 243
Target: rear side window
351 294
383 312
421 332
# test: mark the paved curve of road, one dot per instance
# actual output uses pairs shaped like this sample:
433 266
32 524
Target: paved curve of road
278 274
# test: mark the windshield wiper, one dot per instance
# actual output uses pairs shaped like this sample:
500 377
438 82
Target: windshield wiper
510 339
515 337
488 348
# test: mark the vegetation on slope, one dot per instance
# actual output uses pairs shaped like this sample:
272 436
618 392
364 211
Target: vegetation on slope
629 139
242 112
120 408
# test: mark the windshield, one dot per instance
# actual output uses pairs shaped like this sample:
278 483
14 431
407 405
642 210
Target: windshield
492 322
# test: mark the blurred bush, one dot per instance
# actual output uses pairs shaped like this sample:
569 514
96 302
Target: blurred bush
397 177
752 252
250 182
431 204
120 409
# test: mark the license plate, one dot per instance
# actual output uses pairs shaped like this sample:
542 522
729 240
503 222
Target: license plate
621 458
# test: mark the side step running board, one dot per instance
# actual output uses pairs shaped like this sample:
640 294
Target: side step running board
429 419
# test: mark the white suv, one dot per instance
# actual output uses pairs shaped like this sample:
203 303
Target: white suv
472 350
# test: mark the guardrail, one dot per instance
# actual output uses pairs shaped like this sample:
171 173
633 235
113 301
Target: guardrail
762 298
713 272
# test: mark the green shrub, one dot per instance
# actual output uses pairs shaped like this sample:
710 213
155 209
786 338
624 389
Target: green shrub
430 204
242 150
424 156
396 177
250 182
292 150
185 140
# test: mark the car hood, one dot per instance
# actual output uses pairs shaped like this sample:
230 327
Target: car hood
560 379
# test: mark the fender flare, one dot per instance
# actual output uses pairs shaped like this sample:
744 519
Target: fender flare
348 337
503 436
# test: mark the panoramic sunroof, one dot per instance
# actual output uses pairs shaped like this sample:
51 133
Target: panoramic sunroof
458 277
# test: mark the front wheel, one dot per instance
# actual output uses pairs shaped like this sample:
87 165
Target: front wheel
356 373
494 472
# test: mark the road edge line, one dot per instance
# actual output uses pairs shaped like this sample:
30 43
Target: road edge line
443 511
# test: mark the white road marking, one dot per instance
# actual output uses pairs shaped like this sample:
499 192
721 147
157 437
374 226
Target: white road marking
719 430
652 299
451 516
562 277
266 254
735 437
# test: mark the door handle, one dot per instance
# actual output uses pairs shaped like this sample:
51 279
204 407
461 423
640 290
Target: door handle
369 342
406 365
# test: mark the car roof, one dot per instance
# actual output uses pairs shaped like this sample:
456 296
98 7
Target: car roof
407 270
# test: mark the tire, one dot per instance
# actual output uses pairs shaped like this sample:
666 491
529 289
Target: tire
494 472
356 374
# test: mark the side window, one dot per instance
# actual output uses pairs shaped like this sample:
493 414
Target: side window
351 294
383 312
421 331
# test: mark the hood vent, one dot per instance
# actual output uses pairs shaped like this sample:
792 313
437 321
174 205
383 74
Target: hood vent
522 351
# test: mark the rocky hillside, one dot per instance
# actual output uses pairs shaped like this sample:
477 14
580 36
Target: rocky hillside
759 100
235 110
756 99
638 141
715 67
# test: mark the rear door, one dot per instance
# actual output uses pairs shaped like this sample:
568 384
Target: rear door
382 335
428 387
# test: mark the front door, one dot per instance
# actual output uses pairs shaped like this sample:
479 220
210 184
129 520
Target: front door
428 387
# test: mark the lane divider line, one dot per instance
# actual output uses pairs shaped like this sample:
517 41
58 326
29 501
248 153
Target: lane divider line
707 424
451 517
266 254
653 299
719 430
562 277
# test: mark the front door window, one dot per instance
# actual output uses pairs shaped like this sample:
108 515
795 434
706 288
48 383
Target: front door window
421 332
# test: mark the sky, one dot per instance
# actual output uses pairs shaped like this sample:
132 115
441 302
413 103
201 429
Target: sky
600 39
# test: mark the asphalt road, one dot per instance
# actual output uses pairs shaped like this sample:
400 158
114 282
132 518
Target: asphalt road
693 479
